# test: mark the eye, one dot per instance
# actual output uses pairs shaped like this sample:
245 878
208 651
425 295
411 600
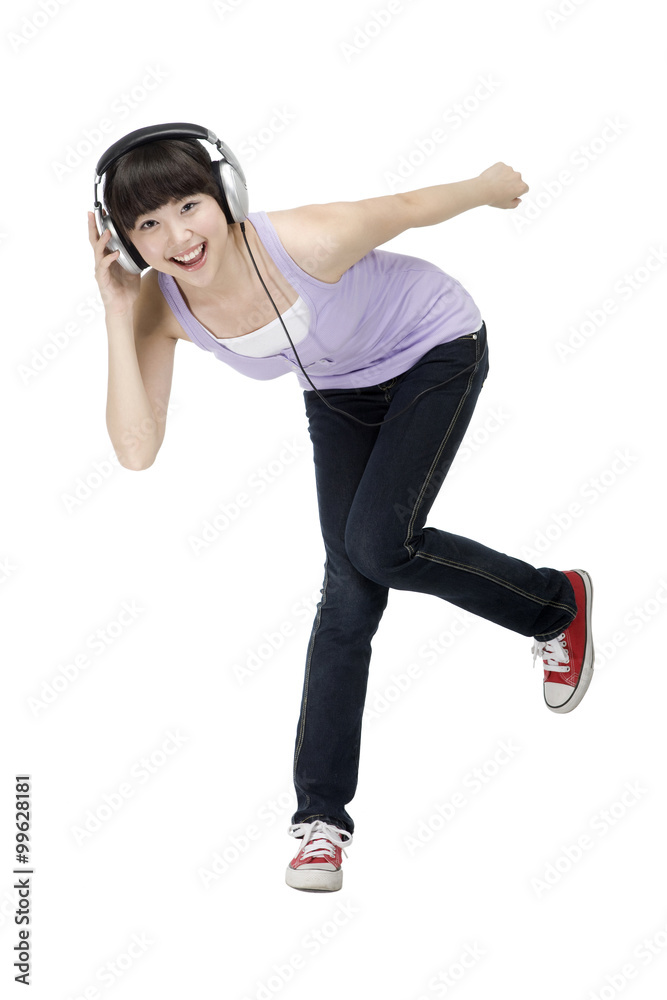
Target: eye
149 221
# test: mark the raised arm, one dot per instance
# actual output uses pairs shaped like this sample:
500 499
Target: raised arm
498 186
338 234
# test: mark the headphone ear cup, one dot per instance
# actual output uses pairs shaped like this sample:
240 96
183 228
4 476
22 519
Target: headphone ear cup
233 189
129 257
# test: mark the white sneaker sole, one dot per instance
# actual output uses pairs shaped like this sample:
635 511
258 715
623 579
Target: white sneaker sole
589 655
313 879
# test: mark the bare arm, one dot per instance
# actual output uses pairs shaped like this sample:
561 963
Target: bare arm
139 383
498 186
430 205
340 233
141 356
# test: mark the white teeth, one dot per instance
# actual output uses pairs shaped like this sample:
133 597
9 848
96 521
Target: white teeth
190 256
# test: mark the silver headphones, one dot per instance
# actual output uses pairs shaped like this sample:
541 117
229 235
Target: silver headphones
227 172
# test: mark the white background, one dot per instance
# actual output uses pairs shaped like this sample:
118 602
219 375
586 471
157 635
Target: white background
364 91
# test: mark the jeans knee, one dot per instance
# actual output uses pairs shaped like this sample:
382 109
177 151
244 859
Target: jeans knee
360 550
369 555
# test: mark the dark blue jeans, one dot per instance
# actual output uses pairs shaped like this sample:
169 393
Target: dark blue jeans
375 488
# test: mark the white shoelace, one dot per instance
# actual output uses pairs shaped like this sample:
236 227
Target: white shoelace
320 837
554 654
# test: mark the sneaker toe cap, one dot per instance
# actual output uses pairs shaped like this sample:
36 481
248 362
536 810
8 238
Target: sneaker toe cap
556 695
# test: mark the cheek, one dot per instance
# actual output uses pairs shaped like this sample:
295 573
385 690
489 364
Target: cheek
148 246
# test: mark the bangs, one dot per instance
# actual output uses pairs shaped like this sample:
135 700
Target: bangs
155 174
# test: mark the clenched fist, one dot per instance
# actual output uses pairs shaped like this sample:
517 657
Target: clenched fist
503 186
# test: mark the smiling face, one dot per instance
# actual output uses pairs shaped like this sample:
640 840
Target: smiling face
179 229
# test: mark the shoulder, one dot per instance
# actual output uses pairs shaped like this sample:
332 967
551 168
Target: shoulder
307 236
330 238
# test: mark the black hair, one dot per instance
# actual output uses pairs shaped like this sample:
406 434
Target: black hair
154 174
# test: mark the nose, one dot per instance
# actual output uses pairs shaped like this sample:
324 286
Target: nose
178 237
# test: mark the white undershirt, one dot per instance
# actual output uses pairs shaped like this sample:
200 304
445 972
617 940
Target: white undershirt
271 339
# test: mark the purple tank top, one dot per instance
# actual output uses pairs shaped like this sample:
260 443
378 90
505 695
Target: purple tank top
384 313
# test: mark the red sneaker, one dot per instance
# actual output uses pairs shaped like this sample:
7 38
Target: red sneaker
316 867
568 659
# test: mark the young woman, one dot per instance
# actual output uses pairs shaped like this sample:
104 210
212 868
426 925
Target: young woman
397 350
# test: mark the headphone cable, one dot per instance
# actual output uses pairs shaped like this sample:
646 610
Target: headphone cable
336 408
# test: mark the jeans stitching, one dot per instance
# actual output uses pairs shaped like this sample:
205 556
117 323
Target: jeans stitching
495 579
304 700
434 463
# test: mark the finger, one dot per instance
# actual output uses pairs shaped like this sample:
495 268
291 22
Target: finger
92 228
102 275
105 258
98 242
93 234
91 219
101 244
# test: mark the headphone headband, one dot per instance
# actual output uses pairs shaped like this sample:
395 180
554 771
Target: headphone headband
152 133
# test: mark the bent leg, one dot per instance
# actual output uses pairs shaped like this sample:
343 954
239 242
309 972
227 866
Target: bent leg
386 538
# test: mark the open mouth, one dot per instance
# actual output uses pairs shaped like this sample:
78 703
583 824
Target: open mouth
195 262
